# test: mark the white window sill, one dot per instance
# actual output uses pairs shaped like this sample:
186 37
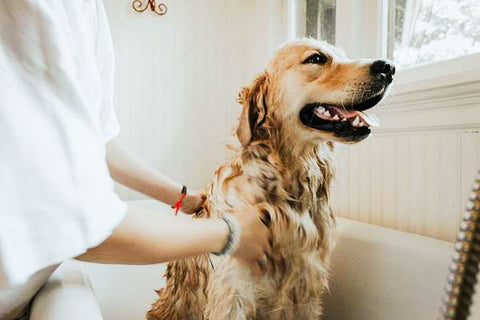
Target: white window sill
449 73
437 96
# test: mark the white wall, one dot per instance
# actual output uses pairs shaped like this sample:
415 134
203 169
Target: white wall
178 77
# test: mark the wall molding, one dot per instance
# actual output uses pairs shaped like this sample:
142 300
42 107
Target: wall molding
447 73
469 127
454 107
427 103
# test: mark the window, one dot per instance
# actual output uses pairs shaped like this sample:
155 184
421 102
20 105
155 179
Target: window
423 31
316 19
320 16
418 35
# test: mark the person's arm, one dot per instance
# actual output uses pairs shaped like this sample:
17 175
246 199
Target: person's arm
146 237
129 170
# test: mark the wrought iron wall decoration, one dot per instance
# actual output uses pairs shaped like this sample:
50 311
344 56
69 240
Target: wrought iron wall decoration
142 5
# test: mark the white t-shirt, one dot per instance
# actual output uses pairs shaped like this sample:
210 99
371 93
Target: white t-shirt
56 113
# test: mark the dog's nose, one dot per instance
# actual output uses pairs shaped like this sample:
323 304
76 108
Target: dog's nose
384 69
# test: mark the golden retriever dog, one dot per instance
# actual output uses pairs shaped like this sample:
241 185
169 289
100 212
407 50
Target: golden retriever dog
308 98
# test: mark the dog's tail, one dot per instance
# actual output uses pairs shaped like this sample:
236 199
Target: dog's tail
184 296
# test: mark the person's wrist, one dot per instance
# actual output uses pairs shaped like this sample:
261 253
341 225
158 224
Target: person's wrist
180 199
170 195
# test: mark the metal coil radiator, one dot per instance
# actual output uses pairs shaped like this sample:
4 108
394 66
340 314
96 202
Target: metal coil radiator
463 270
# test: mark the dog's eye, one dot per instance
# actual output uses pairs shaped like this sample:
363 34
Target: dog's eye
317 58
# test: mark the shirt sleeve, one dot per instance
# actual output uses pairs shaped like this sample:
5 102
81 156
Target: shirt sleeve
106 68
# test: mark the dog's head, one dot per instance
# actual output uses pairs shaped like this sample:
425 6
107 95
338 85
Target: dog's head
312 91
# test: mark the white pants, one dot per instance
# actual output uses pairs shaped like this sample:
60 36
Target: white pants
14 301
58 294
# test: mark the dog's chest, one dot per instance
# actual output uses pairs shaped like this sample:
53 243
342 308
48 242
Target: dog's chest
301 226
297 224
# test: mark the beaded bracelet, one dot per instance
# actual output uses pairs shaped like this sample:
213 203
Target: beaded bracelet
233 236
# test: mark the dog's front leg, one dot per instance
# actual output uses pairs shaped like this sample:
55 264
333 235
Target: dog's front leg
231 292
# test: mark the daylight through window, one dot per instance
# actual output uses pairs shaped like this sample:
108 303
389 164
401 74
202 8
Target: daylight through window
422 31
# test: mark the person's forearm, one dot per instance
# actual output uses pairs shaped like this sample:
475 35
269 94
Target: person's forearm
147 237
130 171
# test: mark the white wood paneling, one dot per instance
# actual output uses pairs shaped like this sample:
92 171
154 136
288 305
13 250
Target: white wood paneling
178 76
414 173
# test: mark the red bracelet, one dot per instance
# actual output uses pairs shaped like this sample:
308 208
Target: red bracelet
178 204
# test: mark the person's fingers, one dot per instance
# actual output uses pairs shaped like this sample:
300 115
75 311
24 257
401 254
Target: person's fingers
263 262
256 268
267 242
269 235
268 248
188 211
257 254
268 232
193 203
265 217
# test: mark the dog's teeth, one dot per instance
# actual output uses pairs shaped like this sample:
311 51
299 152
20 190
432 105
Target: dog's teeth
327 113
321 109
344 119
356 121
336 118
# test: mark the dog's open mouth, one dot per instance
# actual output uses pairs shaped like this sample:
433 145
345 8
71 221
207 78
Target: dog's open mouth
343 121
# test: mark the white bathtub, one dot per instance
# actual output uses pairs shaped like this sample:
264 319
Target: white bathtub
376 274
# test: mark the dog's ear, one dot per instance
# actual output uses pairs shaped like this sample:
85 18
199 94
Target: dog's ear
254 111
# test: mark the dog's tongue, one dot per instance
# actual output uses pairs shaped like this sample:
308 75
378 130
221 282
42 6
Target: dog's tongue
370 119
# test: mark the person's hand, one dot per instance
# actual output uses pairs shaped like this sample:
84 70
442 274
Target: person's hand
255 240
192 201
